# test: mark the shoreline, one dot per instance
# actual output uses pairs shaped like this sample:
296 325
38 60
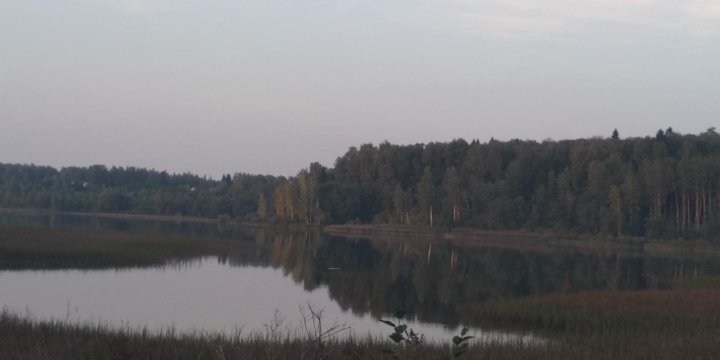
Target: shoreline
118 216
523 239
461 235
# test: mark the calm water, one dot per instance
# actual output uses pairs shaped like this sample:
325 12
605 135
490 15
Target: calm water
354 282
203 295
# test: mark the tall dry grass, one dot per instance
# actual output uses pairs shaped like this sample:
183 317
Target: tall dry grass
21 339
52 248
676 312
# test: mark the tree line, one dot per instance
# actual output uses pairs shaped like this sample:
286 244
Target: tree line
132 190
666 185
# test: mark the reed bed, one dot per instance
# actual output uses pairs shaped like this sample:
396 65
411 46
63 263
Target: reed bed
658 312
53 248
22 338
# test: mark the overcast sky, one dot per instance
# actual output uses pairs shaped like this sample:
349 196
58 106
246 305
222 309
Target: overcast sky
268 86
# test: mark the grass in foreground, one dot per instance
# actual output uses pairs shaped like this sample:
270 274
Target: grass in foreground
23 339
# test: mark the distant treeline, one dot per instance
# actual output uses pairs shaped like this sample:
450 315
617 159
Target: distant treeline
667 185
131 190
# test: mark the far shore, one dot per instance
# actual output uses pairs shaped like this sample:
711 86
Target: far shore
523 239
120 216
464 235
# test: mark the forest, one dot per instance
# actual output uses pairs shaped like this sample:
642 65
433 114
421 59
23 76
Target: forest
131 190
661 186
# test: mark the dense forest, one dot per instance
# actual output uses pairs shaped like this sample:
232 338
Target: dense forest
131 190
667 185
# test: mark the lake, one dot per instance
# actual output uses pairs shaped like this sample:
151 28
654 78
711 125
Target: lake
264 280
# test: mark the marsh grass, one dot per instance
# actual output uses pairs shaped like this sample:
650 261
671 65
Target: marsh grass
702 282
54 248
658 312
22 338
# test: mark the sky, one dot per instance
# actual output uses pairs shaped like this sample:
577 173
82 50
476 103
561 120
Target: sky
258 86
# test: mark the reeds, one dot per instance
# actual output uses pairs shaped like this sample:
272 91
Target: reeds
52 248
658 312
22 338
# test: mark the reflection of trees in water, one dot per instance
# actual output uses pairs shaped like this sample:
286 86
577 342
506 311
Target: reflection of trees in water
435 281
294 254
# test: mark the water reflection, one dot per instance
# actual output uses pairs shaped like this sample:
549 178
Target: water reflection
203 295
439 281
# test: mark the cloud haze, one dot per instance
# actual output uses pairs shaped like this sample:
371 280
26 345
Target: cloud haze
545 19
133 6
270 86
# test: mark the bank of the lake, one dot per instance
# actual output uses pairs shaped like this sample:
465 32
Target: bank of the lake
23 339
463 235
67 248
523 239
